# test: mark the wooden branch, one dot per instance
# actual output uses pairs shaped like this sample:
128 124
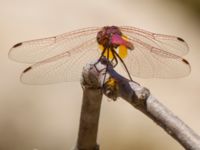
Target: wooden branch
114 86
91 104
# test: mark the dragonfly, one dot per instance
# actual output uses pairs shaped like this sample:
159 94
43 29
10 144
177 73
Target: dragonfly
142 54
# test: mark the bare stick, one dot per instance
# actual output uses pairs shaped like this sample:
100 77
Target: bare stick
91 104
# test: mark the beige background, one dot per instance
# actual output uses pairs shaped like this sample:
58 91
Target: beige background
47 117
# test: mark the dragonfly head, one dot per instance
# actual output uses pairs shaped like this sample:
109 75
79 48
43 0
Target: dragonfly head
111 36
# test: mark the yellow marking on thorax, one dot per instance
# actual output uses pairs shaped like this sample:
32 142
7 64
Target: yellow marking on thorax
122 51
106 52
111 82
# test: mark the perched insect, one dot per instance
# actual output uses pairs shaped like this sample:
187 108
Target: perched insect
142 54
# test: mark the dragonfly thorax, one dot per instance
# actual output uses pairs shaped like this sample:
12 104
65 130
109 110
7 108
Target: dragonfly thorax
104 37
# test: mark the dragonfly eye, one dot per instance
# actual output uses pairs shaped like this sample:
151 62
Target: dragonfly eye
99 35
103 39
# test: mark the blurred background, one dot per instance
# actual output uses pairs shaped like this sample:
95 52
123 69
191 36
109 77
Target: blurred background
47 117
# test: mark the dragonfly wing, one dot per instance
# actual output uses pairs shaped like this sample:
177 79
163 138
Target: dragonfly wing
63 67
171 44
40 49
150 62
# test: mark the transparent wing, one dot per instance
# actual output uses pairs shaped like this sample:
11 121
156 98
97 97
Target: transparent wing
40 49
147 61
168 43
63 67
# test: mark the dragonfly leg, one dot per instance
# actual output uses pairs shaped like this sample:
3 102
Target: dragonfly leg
106 67
123 65
102 55
114 59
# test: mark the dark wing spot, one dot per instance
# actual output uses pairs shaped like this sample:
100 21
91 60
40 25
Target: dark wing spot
16 45
185 61
27 69
180 39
